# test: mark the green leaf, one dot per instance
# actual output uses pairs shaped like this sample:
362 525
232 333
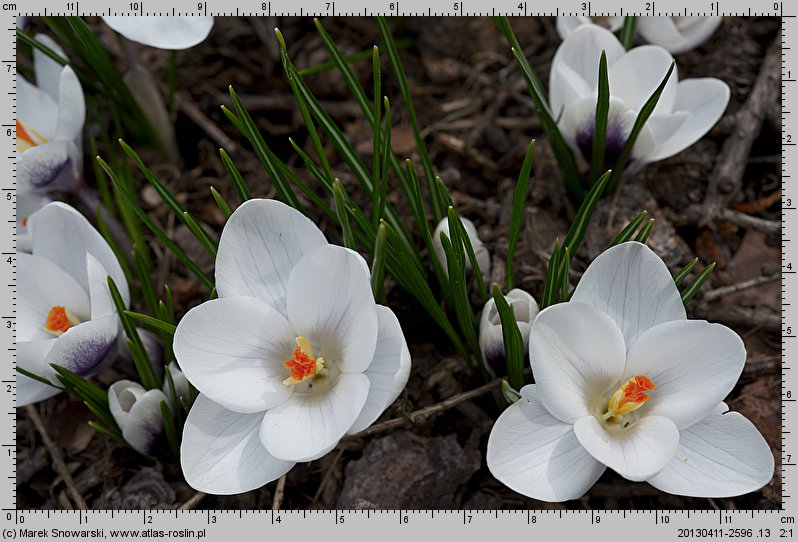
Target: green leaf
404 88
562 152
36 377
513 342
519 208
223 206
107 432
376 154
551 286
582 219
627 34
600 128
381 189
153 322
238 181
645 231
144 274
343 216
378 265
510 395
695 285
202 236
628 232
169 429
640 121
685 271
144 217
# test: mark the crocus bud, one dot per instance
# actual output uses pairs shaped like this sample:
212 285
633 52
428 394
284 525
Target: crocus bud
137 412
182 387
482 254
491 340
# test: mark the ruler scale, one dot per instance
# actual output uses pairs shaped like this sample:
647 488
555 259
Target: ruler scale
654 525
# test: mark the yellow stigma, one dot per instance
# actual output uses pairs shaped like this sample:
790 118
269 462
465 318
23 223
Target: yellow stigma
59 320
630 396
27 137
302 364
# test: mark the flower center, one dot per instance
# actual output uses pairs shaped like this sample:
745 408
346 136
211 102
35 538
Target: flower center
630 396
303 365
27 137
59 320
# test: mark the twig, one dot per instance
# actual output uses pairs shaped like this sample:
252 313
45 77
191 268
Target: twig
426 412
750 222
744 285
279 493
327 475
192 503
193 112
58 461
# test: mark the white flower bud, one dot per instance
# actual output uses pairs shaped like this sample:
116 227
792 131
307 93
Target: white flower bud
491 340
137 412
482 254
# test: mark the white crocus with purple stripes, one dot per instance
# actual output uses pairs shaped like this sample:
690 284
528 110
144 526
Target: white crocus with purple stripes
491 337
293 355
50 117
137 412
686 109
676 34
170 32
65 312
624 380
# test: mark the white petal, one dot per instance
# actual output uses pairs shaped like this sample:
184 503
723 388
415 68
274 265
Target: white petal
28 202
64 236
480 251
636 75
491 338
330 303
221 452
36 108
389 371
723 455
47 70
633 285
41 166
30 356
41 286
71 107
310 423
102 304
261 242
690 32
163 32
577 353
574 70
704 101
83 347
532 452
233 350
144 428
567 25
122 395
636 452
694 365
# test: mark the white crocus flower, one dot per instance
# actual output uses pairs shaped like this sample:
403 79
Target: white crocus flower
65 312
491 339
293 355
626 381
28 202
49 125
480 251
685 111
676 34
137 412
173 33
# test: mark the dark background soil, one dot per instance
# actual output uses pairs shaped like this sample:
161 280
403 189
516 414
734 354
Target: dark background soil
477 119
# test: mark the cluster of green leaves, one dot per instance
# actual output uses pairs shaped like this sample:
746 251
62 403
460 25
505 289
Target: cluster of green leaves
563 154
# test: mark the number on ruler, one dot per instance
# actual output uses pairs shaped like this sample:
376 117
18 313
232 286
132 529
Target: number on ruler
521 6
392 6
329 4
584 6
264 6
134 6
649 6
70 6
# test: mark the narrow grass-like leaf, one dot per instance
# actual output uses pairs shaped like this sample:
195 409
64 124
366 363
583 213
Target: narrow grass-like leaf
202 236
343 216
513 342
685 271
104 414
695 285
381 189
144 217
87 390
627 34
404 88
565 271
121 257
144 275
107 432
582 219
519 208
640 121
376 154
378 265
629 231
169 429
455 262
509 394
153 322
551 286
223 206
562 152
600 126
238 181
36 377
645 231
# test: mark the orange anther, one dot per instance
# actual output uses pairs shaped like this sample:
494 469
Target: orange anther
59 320
630 396
302 364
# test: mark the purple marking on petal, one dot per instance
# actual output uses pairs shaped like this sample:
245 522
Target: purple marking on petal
614 140
87 355
42 170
